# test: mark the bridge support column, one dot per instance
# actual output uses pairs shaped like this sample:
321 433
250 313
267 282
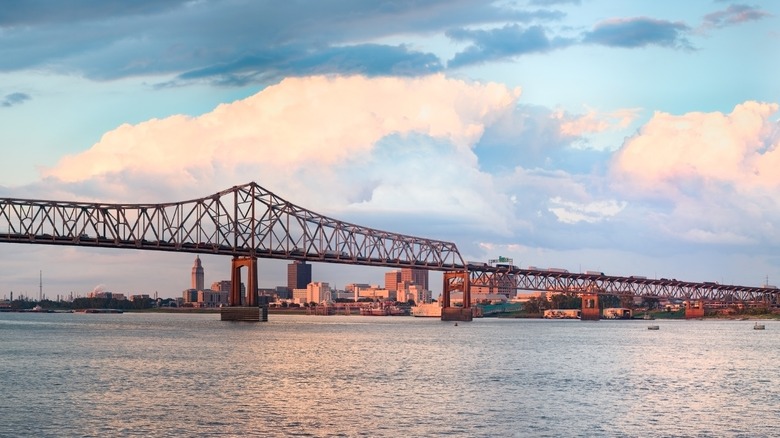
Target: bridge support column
590 308
235 298
456 281
694 309
247 310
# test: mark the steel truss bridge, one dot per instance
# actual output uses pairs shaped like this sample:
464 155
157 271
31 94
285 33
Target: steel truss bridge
508 277
249 222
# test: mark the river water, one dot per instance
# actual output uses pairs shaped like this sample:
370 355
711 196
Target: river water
91 375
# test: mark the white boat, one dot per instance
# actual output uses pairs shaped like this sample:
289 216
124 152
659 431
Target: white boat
758 326
432 310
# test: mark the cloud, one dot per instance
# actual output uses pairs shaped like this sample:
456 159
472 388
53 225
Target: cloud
502 43
711 176
381 144
554 2
14 99
733 15
638 32
273 65
235 43
739 148
36 12
533 136
594 122
572 212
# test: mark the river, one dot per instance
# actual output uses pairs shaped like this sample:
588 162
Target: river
144 374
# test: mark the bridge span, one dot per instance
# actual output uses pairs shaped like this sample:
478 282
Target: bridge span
248 222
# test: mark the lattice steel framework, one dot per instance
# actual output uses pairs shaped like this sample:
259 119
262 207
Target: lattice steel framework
244 221
249 221
539 280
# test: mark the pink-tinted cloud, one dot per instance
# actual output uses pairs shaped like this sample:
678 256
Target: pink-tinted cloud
716 173
594 121
740 148
341 143
734 14
302 120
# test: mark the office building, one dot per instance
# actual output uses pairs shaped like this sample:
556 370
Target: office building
298 275
318 292
392 279
416 276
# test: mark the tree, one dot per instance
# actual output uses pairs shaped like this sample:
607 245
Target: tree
533 305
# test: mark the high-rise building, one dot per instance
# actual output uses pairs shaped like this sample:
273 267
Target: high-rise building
298 275
318 292
392 279
416 276
197 274
225 286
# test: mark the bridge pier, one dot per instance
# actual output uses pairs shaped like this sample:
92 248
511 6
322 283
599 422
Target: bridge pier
240 309
235 298
456 281
694 309
590 308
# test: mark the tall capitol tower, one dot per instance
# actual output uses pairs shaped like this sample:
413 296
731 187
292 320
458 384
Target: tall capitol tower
197 274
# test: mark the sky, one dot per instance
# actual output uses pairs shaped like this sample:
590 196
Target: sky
631 138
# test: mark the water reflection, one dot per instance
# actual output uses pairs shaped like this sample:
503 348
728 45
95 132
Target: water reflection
174 375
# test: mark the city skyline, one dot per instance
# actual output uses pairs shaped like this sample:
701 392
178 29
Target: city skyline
631 138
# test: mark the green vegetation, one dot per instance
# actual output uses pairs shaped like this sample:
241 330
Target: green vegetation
90 303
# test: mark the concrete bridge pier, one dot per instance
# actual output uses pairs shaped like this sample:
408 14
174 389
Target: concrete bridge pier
694 309
456 281
590 308
251 282
240 309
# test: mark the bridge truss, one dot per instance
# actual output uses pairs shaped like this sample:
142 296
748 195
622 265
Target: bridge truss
499 278
244 221
248 221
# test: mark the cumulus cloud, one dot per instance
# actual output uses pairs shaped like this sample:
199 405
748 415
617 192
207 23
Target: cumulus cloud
739 148
713 175
389 143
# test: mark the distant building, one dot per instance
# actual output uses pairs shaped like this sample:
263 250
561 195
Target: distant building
211 298
283 292
298 275
198 296
190 295
342 295
416 276
299 296
410 291
377 294
197 274
318 292
505 286
392 279
456 297
106 295
224 286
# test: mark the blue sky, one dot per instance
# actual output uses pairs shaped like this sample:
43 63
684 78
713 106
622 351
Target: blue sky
634 138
